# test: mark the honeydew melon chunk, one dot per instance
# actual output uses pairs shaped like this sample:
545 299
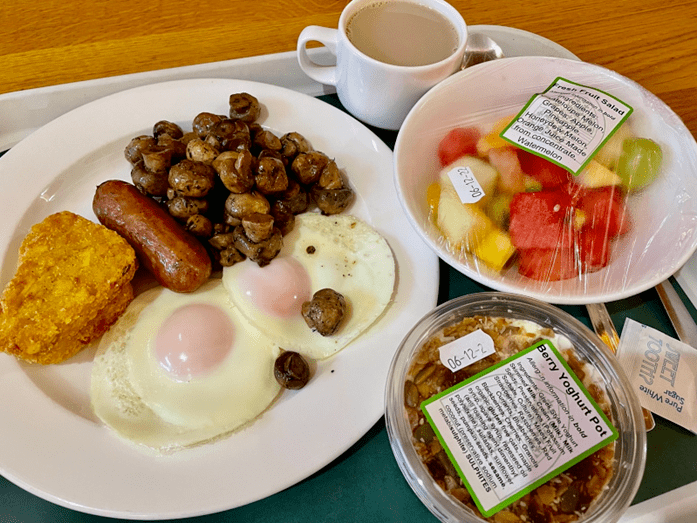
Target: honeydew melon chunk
462 224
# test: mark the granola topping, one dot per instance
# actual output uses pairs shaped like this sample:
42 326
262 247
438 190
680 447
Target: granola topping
562 499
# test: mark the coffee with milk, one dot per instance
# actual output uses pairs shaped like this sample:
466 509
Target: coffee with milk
402 33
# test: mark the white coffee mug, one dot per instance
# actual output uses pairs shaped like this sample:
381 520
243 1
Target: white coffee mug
375 92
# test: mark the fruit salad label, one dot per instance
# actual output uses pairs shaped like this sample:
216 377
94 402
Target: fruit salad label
466 184
516 425
662 371
466 350
567 123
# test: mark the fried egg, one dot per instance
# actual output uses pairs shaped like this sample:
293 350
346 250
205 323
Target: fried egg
181 369
339 252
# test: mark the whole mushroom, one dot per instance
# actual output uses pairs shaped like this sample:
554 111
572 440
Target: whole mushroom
191 179
237 206
325 311
230 135
235 170
245 107
258 227
271 177
308 167
182 207
260 252
332 201
293 144
203 122
199 151
291 370
134 149
165 127
149 182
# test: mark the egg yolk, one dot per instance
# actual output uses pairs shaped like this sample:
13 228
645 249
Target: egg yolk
193 340
279 289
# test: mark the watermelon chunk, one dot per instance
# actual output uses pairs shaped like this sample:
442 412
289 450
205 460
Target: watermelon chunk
594 247
541 220
605 209
458 142
548 264
548 174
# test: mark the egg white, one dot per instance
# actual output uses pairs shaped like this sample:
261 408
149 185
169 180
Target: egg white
132 394
339 252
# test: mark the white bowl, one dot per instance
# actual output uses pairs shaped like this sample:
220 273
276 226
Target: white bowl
664 215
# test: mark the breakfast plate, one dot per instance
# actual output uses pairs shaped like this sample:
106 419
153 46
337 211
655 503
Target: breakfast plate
52 444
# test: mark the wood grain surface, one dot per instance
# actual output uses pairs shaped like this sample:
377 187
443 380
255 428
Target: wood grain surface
59 41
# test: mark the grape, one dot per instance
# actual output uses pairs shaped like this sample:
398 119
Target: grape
639 163
499 209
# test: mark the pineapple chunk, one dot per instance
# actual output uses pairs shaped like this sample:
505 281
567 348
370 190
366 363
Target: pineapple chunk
432 198
463 225
609 154
492 140
597 175
495 249
579 219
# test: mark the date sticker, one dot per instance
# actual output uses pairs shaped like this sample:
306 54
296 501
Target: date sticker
466 350
466 184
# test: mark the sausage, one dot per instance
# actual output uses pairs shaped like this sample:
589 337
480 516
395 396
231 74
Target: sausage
176 258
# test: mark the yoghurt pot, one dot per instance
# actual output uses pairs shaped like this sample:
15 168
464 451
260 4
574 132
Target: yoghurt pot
624 406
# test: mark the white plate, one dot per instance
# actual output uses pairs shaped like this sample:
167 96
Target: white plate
50 442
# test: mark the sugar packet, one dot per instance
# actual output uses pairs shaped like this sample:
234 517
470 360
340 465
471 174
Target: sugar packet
663 372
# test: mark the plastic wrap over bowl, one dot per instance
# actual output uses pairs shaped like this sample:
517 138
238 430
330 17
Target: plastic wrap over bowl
662 218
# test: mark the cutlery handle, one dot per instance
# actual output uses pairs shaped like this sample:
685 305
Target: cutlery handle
605 329
603 326
679 316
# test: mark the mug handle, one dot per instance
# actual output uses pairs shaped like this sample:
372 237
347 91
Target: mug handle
324 74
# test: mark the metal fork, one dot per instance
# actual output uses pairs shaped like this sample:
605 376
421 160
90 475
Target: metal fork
605 329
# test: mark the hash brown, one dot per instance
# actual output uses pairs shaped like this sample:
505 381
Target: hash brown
73 281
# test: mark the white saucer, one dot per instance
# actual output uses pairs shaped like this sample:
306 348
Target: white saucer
516 42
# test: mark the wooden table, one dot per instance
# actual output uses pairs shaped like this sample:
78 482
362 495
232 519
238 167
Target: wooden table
60 41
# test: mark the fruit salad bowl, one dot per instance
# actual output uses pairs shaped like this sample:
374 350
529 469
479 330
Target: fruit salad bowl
613 227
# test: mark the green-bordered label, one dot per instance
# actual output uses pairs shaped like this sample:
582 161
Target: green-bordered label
516 425
567 123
